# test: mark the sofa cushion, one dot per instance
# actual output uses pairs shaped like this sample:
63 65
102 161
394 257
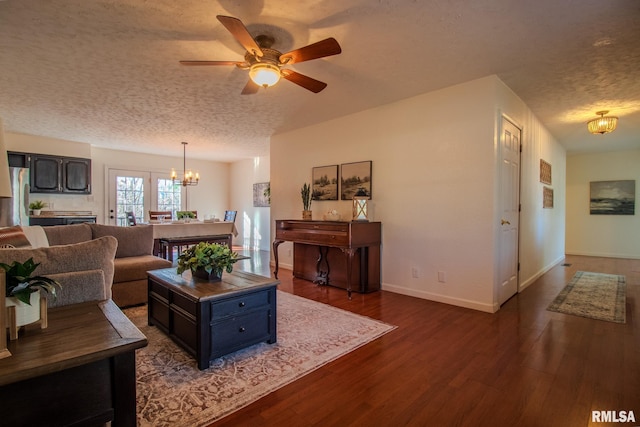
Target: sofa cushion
13 237
67 234
128 269
132 241
85 256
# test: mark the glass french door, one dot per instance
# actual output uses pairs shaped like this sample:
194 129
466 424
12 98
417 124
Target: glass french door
139 192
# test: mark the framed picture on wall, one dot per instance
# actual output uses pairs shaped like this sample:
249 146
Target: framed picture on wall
324 183
545 172
261 194
613 197
354 176
547 197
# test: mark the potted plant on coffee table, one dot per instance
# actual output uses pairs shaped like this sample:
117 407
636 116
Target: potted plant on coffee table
207 261
22 293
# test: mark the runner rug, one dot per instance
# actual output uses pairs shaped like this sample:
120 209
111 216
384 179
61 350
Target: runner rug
171 391
593 295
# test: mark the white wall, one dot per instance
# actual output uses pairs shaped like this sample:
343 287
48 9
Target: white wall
211 196
615 236
253 223
433 186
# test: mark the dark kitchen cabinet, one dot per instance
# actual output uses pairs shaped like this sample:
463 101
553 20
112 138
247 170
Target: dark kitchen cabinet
56 174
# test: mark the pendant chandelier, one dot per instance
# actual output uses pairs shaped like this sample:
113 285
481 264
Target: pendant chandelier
602 124
188 177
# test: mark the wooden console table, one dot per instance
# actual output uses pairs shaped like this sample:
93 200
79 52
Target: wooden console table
79 371
337 253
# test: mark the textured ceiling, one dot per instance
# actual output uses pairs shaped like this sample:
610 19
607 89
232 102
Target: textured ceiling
107 73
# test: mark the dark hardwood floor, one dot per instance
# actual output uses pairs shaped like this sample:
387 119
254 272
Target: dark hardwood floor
450 366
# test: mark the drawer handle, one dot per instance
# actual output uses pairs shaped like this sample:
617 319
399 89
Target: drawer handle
242 329
242 304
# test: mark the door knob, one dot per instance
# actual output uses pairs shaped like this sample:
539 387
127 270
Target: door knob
504 221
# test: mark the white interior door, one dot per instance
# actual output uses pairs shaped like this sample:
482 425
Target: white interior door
510 210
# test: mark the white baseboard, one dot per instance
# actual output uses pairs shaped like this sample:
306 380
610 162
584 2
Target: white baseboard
604 255
459 302
522 286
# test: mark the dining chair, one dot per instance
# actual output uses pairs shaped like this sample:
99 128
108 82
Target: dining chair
154 215
230 216
131 218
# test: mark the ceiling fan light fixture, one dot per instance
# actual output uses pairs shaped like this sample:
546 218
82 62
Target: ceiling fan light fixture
264 74
602 124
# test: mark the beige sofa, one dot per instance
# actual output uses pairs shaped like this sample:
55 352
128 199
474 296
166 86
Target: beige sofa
133 257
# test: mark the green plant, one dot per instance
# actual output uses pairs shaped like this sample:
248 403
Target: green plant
37 204
212 257
306 196
21 285
185 214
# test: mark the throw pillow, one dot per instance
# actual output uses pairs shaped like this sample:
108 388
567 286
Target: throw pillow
13 237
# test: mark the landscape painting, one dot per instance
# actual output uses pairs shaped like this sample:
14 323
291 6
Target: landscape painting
613 197
325 183
354 176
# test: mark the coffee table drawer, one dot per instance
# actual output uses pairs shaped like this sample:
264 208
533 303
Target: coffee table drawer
239 305
240 332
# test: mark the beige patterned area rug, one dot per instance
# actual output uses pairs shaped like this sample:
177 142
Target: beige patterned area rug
171 391
593 295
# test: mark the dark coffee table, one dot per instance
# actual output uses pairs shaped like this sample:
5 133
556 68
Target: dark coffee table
211 319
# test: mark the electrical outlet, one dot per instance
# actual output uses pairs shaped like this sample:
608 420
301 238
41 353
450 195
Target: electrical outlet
441 276
289 252
414 272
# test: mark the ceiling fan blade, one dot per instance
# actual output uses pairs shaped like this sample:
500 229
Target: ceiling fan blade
326 47
306 82
210 63
250 88
240 32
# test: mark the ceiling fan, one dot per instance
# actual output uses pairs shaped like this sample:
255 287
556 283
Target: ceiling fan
266 65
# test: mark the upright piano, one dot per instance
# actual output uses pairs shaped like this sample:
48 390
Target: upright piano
335 253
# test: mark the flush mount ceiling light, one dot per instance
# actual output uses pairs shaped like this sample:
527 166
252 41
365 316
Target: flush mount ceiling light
602 124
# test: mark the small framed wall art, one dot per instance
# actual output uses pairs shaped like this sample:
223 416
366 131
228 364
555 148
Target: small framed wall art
545 172
324 183
353 177
547 197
